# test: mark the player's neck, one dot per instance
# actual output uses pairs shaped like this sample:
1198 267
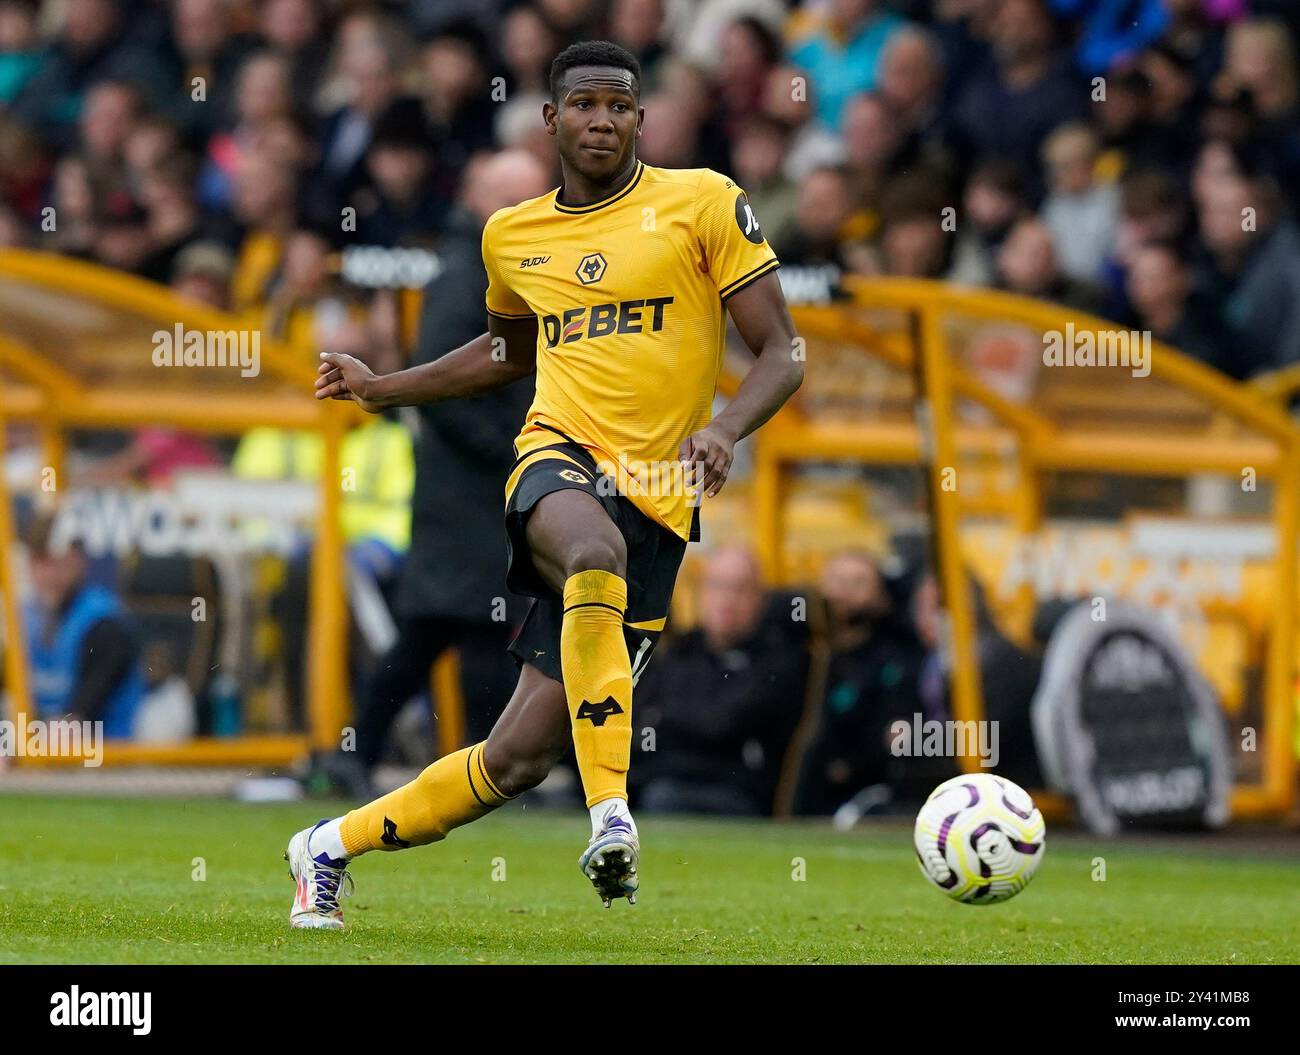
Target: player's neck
577 190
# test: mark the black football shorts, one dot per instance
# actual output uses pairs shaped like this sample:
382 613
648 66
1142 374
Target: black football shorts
654 555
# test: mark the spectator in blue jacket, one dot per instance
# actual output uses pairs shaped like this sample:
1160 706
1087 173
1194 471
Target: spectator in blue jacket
1112 31
84 657
843 56
20 55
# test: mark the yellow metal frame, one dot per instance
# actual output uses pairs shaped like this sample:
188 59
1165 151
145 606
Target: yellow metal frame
15 653
269 749
1040 447
1278 386
56 401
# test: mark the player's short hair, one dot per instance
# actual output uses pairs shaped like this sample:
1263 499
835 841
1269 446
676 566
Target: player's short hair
593 53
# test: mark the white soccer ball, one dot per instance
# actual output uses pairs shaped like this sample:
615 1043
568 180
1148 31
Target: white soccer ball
979 838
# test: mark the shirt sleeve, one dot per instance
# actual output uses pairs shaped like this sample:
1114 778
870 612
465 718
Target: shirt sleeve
736 252
501 299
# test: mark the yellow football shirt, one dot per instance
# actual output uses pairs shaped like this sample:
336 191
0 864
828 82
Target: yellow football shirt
629 294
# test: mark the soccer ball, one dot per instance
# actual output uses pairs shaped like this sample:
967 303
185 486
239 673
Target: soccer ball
979 838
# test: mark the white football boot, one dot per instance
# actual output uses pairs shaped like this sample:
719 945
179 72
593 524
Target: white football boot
321 881
611 860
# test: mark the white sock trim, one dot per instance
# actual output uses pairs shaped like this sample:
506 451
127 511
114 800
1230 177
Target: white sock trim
605 808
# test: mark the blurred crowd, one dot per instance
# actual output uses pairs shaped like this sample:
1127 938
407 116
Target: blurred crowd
1135 159
1139 159
804 703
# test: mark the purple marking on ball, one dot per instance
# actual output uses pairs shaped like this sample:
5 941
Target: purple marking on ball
1026 848
943 833
987 826
1024 816
974 794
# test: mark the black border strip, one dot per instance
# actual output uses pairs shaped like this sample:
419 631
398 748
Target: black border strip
469 776
749 279
593 604
488 780
596 205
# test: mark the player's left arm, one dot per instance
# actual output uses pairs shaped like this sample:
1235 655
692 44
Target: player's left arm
763 320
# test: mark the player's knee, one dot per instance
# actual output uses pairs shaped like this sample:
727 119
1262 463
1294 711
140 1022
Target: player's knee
516 768
522 775
597 554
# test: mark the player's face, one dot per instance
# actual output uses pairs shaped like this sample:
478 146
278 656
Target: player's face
596 121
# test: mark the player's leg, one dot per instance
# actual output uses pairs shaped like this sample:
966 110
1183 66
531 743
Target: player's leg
580 553
531 735
528 739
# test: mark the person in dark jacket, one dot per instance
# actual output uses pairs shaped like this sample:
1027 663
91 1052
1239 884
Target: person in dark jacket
868 683
1253 270
716 711
1160 289
94 45
1026 82
199 54
399 203
452 590
1008 676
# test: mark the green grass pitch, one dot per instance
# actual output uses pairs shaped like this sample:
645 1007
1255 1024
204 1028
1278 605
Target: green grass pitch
113 881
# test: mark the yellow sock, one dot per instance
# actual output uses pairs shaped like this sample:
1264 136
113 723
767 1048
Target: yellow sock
598 681
453 791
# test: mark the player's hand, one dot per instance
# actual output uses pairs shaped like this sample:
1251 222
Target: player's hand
708 453
342 376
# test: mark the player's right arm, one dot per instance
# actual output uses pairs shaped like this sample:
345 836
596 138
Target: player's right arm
507 352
